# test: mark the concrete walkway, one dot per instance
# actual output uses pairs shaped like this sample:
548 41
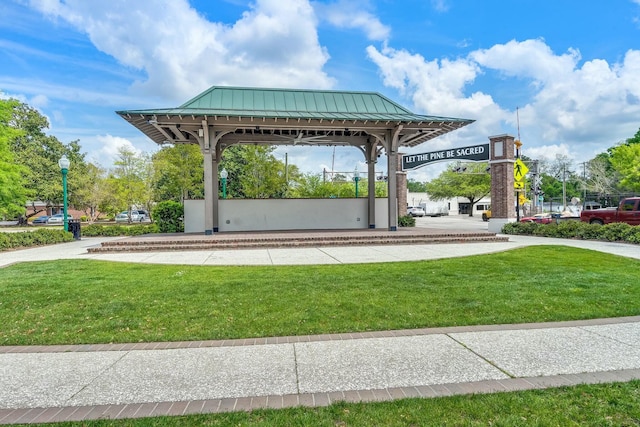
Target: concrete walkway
64 383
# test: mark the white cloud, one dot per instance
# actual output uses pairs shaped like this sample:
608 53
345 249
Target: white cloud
353 15
440 5
39 101
577 109
437 87
108 152
183 54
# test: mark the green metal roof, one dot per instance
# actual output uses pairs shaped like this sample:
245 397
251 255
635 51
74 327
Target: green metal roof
294 101
293 104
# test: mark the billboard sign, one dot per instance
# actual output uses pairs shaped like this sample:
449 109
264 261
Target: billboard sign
475 153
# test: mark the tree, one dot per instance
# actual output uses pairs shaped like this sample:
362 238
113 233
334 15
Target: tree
416 187
625 159
39 154
635 139
254 172
599 176
473 184
129 180
559 181
313 186
12 191
178 173
91 191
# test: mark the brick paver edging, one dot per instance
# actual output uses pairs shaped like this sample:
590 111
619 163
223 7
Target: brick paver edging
156 409
309 338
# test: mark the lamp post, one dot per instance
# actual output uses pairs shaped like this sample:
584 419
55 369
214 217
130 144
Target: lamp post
64 168
224 175
356 178
518 144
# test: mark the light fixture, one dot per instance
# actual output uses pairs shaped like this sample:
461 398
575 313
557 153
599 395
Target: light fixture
356 178
224 175
64 164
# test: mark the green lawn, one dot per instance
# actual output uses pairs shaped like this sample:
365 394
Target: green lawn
84 301
588 405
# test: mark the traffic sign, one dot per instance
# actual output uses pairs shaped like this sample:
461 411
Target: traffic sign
519 170
518 185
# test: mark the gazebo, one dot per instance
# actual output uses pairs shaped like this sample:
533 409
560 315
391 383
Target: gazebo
223 116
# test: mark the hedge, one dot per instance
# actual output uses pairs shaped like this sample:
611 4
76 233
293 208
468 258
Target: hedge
95 230
40 237
570 229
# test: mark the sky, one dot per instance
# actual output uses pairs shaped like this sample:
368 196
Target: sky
563 76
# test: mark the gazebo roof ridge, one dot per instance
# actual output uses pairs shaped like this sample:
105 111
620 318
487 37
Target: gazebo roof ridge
235 98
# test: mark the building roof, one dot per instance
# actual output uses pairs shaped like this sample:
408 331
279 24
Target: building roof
320 109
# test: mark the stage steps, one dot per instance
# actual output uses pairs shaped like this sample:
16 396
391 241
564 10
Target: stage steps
157 243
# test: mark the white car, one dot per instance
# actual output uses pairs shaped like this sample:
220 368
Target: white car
58 219
137 215
416 211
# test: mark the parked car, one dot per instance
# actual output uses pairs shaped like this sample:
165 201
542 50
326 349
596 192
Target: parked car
137 215
415 211
40 220
486 215
627 211
58 219
543 218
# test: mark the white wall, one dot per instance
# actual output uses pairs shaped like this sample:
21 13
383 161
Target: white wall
286 214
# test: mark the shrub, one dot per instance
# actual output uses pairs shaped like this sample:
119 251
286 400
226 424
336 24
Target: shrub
25 239
520 228
589 231
570 229
94 230
617 231
169 217
634 236
406 221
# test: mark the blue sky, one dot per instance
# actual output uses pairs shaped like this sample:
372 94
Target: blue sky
571 67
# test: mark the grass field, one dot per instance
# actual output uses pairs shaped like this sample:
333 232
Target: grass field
72 302
84 301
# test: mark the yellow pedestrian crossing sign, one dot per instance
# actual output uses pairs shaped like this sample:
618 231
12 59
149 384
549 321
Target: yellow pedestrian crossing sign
518 185
519 170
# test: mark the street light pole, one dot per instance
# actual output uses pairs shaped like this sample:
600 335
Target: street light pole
224 175
63 163
518 144
356 178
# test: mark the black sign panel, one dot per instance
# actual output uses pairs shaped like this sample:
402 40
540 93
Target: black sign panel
475 153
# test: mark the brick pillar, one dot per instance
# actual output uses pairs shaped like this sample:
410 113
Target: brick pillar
501 160
401 185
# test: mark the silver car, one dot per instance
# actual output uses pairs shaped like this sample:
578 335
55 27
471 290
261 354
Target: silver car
58 219
416 211
137 215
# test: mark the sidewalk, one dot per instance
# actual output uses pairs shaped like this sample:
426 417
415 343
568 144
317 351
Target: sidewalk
65 383
302 256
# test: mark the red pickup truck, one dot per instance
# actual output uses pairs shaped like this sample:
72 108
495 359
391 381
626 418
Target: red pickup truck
628 211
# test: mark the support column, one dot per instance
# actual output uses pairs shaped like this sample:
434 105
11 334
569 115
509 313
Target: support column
501 160
211 153
392 179
208 192
402 188
371 158
391 145
216 185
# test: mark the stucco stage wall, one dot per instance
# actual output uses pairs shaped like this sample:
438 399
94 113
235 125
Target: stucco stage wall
286 214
